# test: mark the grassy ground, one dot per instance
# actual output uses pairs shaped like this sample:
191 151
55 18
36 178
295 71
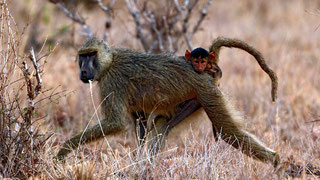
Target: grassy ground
287 34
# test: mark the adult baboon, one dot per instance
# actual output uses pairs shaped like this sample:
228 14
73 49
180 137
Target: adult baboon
155 83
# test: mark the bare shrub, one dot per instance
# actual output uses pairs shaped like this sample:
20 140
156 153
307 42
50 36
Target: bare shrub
161 26
21 143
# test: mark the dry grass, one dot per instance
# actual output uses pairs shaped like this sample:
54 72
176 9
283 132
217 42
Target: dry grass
284 31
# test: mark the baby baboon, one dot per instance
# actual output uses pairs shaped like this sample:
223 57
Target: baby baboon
202 60
155 83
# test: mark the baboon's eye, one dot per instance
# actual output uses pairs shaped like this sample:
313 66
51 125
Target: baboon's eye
92 53
88 54
95 62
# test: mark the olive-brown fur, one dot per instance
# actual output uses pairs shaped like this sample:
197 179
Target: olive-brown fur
220 42
157 84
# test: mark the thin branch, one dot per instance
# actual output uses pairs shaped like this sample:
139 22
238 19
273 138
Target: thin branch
74 18
77 19
185 23
104 8
177 6
167 34
38 75
50 96
154 27
153 46
185 4
108 10
186 37
188 14
317 120
177 16
136 16
30 108
203 14
11 83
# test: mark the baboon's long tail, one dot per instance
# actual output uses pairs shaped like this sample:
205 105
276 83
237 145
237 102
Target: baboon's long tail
235 43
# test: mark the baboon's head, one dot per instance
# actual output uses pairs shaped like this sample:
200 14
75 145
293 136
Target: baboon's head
94 57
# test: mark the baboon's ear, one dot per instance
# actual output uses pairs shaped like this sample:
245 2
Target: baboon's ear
212 55
187 55
105 46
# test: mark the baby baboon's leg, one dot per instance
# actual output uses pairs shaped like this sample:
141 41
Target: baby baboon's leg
184 110
230 126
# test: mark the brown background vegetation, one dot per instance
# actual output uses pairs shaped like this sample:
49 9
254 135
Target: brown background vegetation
287 34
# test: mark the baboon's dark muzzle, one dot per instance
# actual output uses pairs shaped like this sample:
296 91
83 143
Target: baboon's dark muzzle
86 77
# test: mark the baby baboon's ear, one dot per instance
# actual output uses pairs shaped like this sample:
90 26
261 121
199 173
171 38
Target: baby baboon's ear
211 57
187 55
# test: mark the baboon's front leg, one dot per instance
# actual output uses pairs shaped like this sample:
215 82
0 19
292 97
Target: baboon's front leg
114 114
94 133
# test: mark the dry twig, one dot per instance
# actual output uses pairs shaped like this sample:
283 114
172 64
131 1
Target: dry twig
108 8
154 27
76 18
136 16
157 32
165 34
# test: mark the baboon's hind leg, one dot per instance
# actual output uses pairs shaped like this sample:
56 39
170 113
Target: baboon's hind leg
157 135
140 121
230 126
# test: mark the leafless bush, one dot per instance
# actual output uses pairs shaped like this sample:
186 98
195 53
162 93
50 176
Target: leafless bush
160 25
21 143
